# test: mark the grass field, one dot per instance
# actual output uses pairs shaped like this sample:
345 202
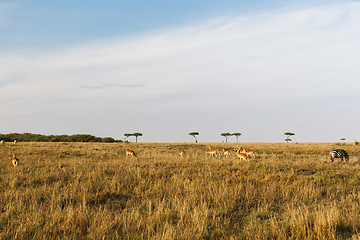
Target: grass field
92 191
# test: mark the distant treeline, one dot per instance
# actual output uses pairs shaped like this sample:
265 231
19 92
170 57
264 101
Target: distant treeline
30 137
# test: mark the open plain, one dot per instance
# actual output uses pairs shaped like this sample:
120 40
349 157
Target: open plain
94 191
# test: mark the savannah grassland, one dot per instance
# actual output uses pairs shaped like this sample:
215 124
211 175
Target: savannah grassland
92 191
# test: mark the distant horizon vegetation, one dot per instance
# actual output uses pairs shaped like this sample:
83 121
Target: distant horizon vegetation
33 137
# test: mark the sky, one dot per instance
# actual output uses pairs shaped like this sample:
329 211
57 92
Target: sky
168 68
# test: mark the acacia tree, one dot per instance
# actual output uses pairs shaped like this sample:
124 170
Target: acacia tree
136 135
194 134
288 135
226 135
127 135
236 135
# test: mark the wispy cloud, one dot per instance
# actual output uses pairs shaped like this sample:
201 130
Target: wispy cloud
246 67
111 85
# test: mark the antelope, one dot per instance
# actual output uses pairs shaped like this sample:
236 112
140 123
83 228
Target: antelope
242 156
130 153
212 152
238 150
15 161
226 153
182 153
15 141
248 153
2 142
214 149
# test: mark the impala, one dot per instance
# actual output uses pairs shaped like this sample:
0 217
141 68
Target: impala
212 152
15 161
248 153
226 153
182 153
241 156
130 153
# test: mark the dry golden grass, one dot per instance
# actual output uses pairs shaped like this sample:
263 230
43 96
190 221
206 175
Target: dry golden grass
92 191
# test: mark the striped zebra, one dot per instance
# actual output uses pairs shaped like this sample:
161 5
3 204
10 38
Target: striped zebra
338 153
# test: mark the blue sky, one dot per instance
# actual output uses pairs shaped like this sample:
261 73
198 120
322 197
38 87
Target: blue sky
167 68
43 23
52 23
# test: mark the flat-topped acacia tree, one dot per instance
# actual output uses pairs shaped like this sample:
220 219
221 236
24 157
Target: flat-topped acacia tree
194 134
236 135
288 134
127 135
226 135
136 135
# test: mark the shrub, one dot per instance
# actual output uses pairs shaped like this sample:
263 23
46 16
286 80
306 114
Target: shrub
30 137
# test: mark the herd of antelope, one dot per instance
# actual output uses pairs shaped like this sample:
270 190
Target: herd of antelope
242 154
239 152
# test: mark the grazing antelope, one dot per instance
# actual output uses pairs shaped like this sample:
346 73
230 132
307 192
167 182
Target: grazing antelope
248 153
182 153
15 161
212 152
241 156
226 153
130 153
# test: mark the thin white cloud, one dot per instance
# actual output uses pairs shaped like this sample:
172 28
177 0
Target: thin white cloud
247 67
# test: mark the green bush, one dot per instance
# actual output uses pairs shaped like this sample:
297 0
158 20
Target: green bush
30 137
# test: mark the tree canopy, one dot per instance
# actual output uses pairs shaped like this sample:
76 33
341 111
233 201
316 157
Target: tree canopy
136 135
226 135
194 134
237 134
288 134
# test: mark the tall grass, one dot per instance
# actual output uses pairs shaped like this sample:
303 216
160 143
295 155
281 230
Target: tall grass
92 191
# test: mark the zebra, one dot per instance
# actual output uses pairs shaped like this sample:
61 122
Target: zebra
338 153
